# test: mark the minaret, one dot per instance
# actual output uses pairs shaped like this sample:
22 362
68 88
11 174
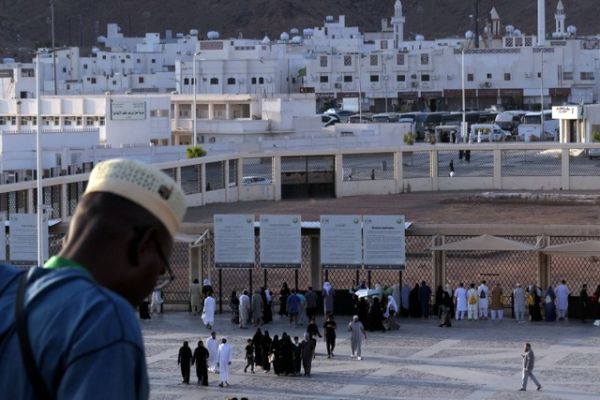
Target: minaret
495 18
541 33
560 17
398 21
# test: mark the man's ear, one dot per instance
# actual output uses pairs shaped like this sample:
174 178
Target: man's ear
139 244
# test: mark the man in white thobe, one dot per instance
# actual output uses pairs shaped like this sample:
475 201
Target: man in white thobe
244 309
208 312
483 293
562 300
472 302
224 357
460 294
212 347
156 302
519 303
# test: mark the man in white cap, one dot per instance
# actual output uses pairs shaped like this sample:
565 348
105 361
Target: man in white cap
357 332
69 329
519 303
213 347
224 358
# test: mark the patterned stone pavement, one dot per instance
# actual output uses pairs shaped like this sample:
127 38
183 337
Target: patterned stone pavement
471 360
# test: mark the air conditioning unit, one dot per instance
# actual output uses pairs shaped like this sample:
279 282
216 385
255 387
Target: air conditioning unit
414 84
324 86
435 77
426 85
348 86
450 77
401 85
337 85
527 75
485 85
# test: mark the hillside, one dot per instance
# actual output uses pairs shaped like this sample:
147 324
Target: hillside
24 23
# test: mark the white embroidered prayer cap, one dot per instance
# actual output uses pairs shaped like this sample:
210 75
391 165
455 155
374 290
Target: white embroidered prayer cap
144 185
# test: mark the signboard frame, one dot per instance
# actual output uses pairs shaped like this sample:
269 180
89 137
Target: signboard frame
240 228
385 223
279 238
353 223
128 110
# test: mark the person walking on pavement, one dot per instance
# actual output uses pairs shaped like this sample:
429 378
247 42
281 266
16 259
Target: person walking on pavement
357 332
200 358
184 360
528 363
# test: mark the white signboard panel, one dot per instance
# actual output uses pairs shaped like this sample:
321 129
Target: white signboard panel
341 241
384 242
23 237
127 110
280 241
234 241
3 237
567 112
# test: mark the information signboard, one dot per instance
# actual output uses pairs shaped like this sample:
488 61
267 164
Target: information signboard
341 241
280 241
23 237
234 241
384 244
127 110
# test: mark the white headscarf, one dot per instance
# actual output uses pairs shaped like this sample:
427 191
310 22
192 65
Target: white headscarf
206 282
327 287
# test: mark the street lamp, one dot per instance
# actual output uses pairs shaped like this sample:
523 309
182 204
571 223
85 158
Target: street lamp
541 90
464 105
38 151
194 116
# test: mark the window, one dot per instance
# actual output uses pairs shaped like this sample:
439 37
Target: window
347 78
186 81
400 78
93 81
2 121
424 59
104 57
507 76
114 83
470 77
374 59
141 79
261 80
27 73
323 79
85 66
347 61
587 76
122 61
383 45
400 59
138 61
425 78
101 121
253 80
539 74
153 61
567 76
488 76
214 81
89 121
64 70
323 61
374 78
231 81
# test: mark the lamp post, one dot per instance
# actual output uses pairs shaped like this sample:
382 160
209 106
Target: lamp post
463 130
39 172
359 88
541 91
53 44
194 116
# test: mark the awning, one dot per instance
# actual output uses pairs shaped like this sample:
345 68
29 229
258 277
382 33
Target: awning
588 248
486 243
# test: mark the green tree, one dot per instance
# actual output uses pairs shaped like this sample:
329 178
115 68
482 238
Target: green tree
195 152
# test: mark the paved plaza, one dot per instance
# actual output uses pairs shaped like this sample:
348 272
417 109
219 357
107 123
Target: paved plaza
471 360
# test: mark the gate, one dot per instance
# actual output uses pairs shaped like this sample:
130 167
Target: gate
307 177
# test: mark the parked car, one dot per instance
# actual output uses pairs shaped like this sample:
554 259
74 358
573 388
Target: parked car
256 180
329 119
530 128
510 120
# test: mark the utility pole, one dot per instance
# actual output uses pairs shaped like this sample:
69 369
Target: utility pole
53 44
476 23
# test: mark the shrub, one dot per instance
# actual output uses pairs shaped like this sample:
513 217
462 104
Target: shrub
195 152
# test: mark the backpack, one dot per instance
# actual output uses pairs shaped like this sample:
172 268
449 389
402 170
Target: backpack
472 299
482 294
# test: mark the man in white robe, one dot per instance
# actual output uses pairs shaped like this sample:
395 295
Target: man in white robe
155 305
519 303
208 312
562 300
224 357
212 347
472 302
460 294
244 309
195 291
483 293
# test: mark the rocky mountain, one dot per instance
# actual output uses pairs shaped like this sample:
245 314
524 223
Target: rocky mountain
24 24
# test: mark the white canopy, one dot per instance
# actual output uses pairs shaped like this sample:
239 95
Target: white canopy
588 248
486 243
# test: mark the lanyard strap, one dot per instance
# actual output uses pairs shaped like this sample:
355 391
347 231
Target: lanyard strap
39 387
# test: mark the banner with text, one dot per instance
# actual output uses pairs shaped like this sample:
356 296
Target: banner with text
280 241
384 244
23 237
341 241
234 241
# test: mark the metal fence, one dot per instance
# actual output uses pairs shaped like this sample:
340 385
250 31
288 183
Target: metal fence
362 167
531 163
475 164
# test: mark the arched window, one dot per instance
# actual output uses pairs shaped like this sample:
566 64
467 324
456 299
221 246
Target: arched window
261 80
214 81
231 81
186 81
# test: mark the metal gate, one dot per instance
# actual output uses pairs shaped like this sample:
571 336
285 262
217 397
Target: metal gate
307 177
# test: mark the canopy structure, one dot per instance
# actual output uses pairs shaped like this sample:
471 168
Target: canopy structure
589 248
486 243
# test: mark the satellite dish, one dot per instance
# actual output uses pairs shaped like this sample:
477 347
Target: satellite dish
518 32
294 31
329 18
101 39
284 37
193 32
297 39
572 30
212 35
419 38
308 32
469 35
509 29
266 40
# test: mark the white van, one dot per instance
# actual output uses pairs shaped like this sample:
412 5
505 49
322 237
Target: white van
487 133
530 127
